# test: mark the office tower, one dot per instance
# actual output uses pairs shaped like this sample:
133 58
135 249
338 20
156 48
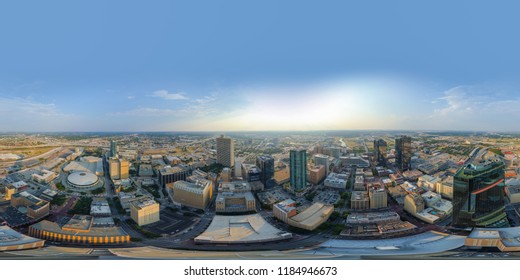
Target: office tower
118 168
113 148
298 165
171 174
238 167
145 211
380 151
266 164
478 195
225 151
322 160
403 152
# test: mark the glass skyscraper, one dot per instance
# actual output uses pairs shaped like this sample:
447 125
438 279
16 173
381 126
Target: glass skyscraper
380 151
113 148
403 152
298 167
478 195
266 164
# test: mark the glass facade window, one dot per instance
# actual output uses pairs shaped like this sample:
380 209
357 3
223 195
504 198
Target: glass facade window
478 196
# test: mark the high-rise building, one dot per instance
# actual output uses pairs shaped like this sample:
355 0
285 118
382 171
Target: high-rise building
320 159
145 211
113 148
478 195
380 151
118 168
266 164
403 152
298 173
225 151
238 167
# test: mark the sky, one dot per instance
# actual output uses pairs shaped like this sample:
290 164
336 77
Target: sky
259 65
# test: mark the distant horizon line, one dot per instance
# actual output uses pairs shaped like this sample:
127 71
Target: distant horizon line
257 131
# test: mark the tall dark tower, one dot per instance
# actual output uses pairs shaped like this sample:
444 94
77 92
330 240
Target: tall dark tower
403 152
380 151
266 164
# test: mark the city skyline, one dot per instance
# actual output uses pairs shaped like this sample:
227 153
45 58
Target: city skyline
131 67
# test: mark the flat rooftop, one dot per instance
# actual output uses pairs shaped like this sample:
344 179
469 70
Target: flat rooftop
240 229
10 237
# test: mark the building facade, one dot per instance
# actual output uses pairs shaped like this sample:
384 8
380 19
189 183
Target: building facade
225 151
192 194
145 211
478 195
322 160
380 151
171 174
298 172
266 165
403 152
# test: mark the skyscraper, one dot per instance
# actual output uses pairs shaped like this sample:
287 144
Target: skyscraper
403 152
380 151
225 151
322 160
266 164
478 195
298 165
113 148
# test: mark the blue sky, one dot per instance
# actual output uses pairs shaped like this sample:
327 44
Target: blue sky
258 65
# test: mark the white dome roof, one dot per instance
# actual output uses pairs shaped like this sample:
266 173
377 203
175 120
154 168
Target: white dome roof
85 179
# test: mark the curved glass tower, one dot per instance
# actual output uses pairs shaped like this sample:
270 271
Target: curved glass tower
478 195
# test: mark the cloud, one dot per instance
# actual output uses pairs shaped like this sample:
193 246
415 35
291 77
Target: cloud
147 112
26 114
130 97
164 94
478 107
26 107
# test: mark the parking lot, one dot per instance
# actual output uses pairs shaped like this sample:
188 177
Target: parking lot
328 197
170 223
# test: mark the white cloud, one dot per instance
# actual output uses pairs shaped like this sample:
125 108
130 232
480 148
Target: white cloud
164 94
478 107
130 97
26 114
147 112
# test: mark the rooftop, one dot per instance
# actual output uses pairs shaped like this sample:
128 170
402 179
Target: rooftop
240 229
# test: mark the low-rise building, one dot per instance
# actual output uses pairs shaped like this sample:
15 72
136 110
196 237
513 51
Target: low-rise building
36 207
336 181
284 210
229 202
428 182
373 217
513 194
46 176
431 198
312 217
100 208
79 230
